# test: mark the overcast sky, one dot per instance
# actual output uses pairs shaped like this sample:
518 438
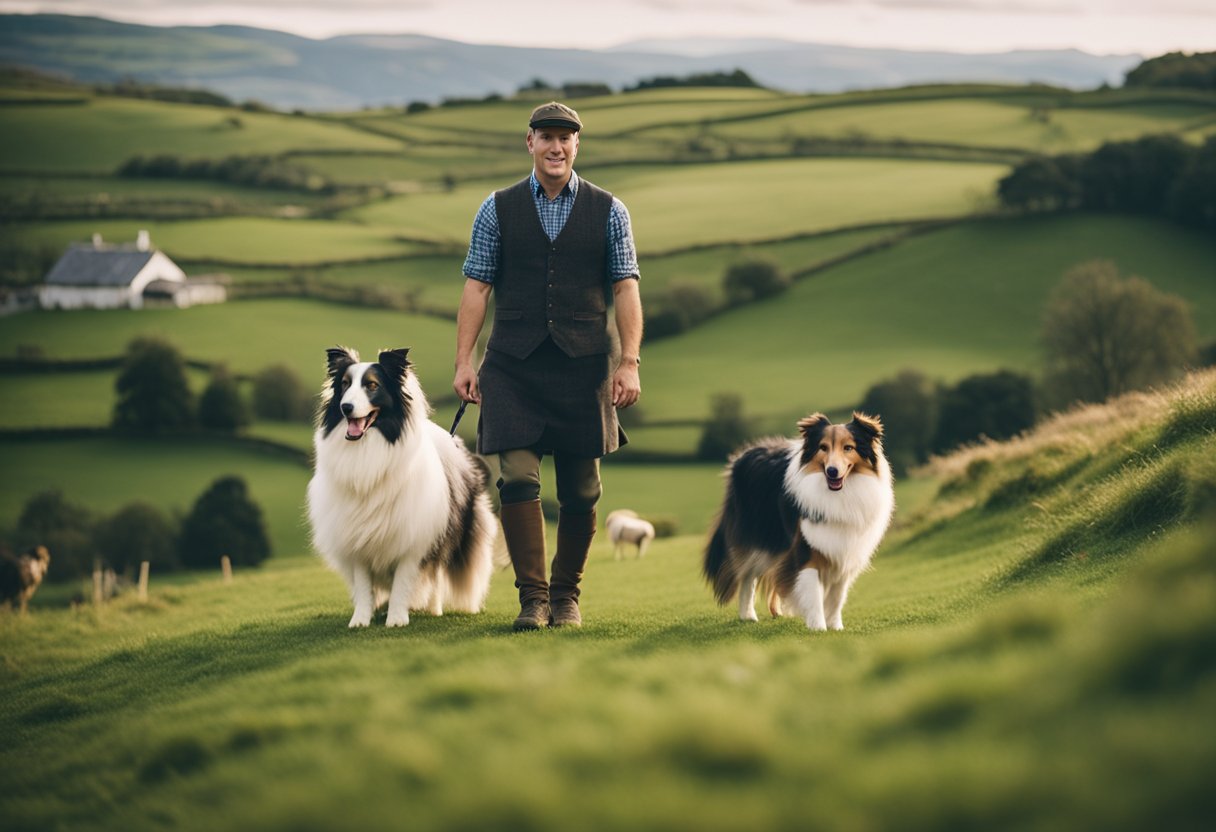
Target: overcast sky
1148 27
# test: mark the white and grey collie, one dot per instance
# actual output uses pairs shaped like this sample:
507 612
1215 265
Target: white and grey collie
398 507
803 515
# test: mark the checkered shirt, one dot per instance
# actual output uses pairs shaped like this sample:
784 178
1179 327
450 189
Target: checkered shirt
486 242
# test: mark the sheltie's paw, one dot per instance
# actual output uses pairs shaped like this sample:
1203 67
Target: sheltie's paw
397 619
360 619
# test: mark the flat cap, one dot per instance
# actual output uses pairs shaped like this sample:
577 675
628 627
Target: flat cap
554 114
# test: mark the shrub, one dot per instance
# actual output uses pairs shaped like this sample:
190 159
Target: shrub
726 429
279 395
224 521
135 533
152 392
908 406
997 406
221 406
753 279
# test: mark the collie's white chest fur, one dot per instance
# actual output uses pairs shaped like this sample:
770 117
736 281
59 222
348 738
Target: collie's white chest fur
846 525
378 503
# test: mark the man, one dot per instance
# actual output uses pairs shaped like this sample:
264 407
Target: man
551 248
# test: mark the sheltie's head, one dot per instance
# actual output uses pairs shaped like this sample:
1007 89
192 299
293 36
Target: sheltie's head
839 451
363 395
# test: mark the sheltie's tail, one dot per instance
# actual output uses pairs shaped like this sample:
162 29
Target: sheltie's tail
717 567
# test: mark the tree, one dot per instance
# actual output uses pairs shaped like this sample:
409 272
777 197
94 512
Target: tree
753 279
1176 69
726 429
135 533
1134 176
279 395
1192 197
1042 183
1105 335
221 406
993 405
224 521
152 392
908 405
64 528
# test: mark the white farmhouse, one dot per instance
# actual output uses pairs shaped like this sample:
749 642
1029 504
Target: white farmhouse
108 276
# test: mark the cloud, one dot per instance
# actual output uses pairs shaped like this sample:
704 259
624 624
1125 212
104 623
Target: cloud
1185 8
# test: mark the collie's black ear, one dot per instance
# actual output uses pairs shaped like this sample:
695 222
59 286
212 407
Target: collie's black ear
870 424
812 426
339 358
395 362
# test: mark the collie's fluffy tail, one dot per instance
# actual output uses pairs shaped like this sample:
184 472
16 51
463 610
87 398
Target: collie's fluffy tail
468 573
717 568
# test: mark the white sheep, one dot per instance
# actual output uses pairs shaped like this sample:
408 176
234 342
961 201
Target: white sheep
624 526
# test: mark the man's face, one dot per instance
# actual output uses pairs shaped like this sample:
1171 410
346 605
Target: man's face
553 150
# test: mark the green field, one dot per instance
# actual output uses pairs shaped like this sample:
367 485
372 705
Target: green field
1033 126
246 336
679 205
107 473
1005 664
48 138
961 300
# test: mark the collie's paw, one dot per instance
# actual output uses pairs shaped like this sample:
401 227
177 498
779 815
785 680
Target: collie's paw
835 625
397 619
360 619
816 625
749 616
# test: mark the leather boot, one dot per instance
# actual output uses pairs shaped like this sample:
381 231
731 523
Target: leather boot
523 526
574 534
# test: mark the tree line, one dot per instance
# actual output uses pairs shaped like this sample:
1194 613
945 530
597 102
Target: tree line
1102 335
224 520
1176 69
1157 175
154 396
254 171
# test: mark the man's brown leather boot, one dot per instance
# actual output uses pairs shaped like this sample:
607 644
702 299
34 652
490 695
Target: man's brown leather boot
523 526
574 534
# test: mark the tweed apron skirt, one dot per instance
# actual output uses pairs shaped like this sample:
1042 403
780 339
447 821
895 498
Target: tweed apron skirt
549 402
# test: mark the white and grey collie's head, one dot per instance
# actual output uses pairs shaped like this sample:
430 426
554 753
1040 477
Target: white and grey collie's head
841 451
362 396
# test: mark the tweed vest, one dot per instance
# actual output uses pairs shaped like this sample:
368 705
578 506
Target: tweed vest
552 289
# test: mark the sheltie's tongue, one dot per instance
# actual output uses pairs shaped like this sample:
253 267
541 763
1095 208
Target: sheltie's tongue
356 427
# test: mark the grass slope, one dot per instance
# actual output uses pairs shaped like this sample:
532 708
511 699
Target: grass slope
1017 658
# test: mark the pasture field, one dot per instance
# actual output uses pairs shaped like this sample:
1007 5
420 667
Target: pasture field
1033 649
1031 125
254 240
66 400
247 336
106 473
672 206
960 300
45 138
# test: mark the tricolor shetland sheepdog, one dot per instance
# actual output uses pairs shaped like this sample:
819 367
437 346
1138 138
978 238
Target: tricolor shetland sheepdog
804 515
398 507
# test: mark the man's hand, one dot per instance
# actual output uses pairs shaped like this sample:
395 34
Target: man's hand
465 384
626 385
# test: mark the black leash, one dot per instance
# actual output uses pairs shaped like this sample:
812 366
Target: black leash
459 416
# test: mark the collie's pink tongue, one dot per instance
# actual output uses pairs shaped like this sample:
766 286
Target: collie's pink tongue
355 427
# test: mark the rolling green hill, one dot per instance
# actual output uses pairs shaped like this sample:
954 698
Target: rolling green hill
1034 649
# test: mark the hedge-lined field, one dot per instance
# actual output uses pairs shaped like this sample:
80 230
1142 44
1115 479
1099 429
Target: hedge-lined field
961 300
49 138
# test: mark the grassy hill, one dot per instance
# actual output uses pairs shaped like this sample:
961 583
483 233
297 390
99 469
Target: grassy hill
1032 649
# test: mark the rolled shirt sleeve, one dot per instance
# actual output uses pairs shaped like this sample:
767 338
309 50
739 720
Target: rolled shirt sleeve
622 253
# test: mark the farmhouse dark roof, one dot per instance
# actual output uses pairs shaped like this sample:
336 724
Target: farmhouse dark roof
84 265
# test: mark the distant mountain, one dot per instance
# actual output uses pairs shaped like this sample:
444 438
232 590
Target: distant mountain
355 71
